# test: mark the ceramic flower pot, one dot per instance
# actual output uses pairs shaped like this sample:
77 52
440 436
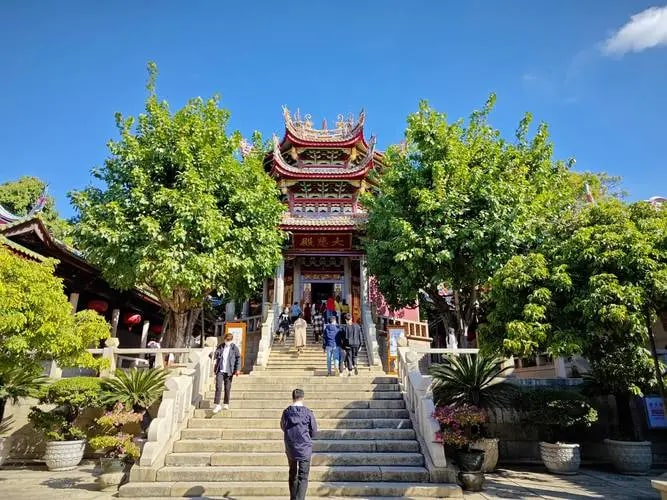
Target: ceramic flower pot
471 481
64 455
113 472
490 448
470 460
560 458
630 457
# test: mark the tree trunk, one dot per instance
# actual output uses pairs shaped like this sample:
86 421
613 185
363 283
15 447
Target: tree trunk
3 402
175 336
625 422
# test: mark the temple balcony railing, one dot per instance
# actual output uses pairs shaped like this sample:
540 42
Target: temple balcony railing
413 329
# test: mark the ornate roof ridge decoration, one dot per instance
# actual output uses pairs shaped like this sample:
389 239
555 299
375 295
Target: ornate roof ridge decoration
302 128
364 165
6 217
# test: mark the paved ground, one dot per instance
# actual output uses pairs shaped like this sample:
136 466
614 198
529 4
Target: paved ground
35 482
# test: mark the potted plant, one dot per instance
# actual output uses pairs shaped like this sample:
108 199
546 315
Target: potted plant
15 383
557 414
65 439
136 389
628 452
117 444
460 427
474 380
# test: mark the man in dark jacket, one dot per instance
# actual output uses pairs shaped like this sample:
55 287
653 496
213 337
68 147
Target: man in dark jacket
330 343
227 364
351 333
299 428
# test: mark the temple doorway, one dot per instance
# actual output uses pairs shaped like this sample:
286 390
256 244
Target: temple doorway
321 292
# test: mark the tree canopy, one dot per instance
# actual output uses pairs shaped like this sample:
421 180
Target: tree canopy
594 287
454 204
36 320
181 211
19 196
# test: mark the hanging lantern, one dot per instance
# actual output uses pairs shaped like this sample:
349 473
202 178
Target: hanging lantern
99 306
131 319
157 329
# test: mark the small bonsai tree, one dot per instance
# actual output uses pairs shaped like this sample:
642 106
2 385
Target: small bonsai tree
71 396
114 440
460 425
557 413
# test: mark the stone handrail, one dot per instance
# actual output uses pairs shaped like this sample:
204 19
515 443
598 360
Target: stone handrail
371 339
269 328
183 393
419 400
416 329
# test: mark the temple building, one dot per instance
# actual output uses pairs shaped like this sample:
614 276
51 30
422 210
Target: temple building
321 174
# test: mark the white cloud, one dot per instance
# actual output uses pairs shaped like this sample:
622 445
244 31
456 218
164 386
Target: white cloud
645 30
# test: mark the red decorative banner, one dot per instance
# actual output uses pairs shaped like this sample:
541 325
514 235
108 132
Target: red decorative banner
323 241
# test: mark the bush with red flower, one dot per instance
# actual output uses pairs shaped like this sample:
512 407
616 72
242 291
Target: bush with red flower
460 425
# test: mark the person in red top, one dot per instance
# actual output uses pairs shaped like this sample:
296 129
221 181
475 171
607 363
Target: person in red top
331 307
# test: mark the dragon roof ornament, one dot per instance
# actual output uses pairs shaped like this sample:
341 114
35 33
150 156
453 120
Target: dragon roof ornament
302 128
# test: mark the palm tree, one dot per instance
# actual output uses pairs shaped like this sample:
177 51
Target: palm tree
17 382
475 380
137 389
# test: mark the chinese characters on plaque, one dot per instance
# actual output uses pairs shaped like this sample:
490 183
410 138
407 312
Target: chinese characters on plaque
340 241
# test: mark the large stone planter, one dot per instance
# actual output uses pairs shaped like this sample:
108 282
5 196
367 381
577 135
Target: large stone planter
113 472
630 457
490 448
64 455
560 458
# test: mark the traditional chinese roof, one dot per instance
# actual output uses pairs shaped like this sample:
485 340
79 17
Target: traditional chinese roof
327 222
300 131
6 217
357 169
21 250
33 236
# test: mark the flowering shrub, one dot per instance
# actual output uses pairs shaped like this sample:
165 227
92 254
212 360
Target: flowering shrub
460 425
114 441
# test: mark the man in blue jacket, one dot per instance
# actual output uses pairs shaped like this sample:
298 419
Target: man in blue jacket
330 342
299 428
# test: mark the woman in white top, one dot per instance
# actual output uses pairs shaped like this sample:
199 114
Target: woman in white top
300 327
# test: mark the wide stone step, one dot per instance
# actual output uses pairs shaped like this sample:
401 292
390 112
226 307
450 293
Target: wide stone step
319 393
319 413
272 473
325 385
266 377
266 489
322 434
275 446
314 404
322 423
200 459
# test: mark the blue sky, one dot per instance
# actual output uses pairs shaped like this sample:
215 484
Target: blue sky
589 69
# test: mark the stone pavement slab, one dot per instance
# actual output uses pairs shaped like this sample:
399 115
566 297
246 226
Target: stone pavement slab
29 482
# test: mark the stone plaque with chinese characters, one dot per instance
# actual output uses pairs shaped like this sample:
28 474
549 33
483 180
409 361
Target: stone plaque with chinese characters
333 241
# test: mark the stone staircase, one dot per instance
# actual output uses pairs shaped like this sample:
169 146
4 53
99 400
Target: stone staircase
365 446
285 360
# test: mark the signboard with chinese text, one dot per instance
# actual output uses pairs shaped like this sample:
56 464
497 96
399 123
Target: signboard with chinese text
337 241
394 332
655 412
238 330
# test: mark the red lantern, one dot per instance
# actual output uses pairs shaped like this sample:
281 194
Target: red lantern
130 319
99 306
157 329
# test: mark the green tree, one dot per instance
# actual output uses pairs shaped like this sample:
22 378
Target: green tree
36 320
594 287
181 211
455 204
18 197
